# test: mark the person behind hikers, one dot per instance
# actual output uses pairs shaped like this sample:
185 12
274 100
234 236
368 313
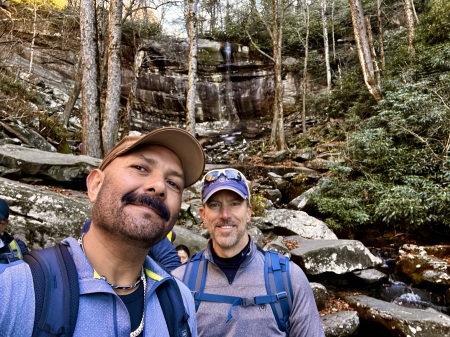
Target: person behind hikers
183 253
136 196
11 249
235 268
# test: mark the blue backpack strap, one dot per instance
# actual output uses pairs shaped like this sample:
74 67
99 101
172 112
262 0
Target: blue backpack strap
195 276
56 289
278 283
171 301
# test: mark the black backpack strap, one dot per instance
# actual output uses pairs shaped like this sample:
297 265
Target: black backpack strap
171 302
56 289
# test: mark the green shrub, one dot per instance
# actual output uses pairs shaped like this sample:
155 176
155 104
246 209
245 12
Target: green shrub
259 205
434 25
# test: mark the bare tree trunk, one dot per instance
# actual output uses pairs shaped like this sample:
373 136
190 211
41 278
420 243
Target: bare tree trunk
380 36
325 43
364 49
305 72
91 145
277 137
411 26
332 29
30 68
112 103
414 11
192 73
73 95
139 57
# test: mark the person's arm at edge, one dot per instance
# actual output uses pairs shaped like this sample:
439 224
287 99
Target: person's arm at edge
305 319
165 254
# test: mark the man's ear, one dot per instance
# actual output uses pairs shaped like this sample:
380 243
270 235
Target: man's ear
201 210
94 182
249 213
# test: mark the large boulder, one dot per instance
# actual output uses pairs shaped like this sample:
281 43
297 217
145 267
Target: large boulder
42 217
401 321
298 222
337 256
49 166
425 264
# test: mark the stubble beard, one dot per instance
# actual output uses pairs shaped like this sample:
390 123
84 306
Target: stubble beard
230 240
143 232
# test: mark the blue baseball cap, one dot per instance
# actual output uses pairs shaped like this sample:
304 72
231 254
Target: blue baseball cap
4 210
226 179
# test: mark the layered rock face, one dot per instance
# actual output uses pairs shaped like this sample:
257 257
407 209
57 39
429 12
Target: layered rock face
229 84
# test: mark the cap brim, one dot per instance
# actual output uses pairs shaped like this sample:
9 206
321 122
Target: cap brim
226 185
181 142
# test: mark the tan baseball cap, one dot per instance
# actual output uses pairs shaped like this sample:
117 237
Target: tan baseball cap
181 142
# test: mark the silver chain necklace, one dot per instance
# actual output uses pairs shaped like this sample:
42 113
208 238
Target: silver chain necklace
142 278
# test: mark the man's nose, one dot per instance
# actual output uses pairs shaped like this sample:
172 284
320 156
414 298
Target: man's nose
224 212
156 186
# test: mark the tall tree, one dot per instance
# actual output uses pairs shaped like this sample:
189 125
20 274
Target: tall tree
411 24
365 50
274 27
305 69
380 36
91 139
325 43
192 64
114 77
277 136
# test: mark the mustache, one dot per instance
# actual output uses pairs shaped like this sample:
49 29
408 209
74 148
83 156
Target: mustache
146 200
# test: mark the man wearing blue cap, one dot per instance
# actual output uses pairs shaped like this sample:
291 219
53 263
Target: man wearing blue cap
10 249
228 278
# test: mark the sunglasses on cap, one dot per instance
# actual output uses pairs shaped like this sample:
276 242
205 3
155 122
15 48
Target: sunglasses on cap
224 179
230 174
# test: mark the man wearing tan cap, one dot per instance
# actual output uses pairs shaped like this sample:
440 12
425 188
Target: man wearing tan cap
136 196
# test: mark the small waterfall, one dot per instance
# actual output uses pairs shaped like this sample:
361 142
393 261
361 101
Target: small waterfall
231 110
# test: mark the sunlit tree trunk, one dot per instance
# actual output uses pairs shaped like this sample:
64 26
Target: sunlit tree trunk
91 144
368 65
411 25
305 71
277 136
114 81
192 73
35 7
325 43
380 36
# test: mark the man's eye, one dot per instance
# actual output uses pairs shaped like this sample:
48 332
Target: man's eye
174 185
139 168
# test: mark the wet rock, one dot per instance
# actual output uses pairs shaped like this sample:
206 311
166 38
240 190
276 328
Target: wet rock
420 266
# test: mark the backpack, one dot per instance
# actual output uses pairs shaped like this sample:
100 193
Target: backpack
276 276
56 286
